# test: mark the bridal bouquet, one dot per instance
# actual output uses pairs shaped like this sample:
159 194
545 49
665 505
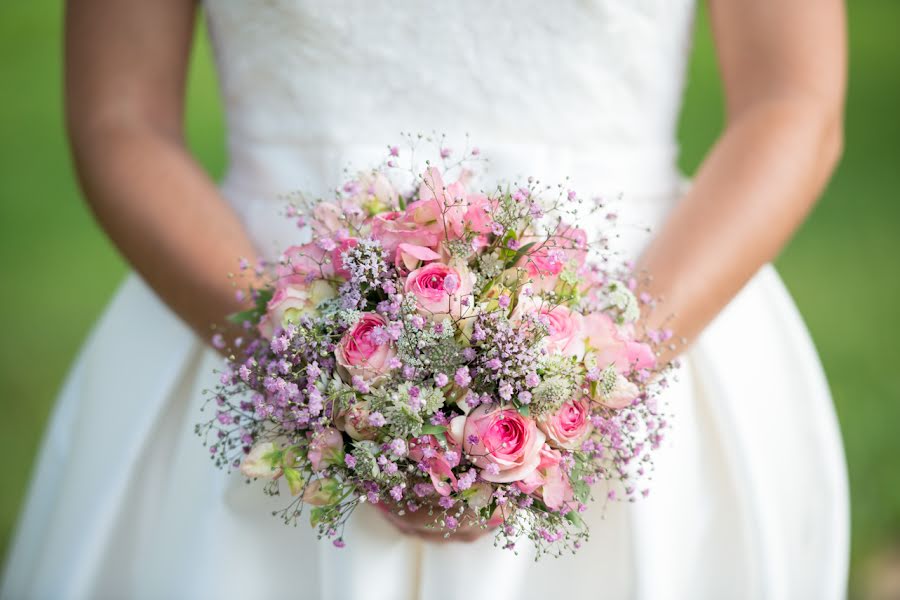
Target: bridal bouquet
473 355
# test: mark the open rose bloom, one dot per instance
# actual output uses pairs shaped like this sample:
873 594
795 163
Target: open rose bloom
441 345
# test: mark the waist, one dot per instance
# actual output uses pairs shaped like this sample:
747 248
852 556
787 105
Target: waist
641 181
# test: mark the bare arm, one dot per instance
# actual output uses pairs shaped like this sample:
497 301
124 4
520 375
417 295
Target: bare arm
783 69
126 63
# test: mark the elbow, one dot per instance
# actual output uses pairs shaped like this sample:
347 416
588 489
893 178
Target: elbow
825 127
832 147
103 126
807 123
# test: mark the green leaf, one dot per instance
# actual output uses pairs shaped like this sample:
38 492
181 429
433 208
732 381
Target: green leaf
323 514
428 428
263 295
520 253
524 410
245 315
581 491
317 515
295 480
573 517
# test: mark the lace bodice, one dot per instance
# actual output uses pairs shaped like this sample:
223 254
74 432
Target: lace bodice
569 87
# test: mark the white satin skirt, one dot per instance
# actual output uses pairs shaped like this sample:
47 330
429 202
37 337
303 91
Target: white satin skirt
749 497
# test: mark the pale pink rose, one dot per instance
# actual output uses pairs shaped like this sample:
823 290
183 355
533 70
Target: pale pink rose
568 426
355 422
375 191
429 285
290 303
507 442
613 345
337 259
549 256
566 327
326 448
436 465
392 229
591 283
548 481
261 462
479 213
303 264
622 395
327 219
441 208
370 193
389 229
361 353
410 257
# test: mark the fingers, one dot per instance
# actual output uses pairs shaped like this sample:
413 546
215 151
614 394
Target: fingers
422 526
464 535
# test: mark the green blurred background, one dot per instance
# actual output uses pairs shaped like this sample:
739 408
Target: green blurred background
59 270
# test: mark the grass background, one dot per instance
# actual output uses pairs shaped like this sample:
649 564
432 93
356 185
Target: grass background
58 270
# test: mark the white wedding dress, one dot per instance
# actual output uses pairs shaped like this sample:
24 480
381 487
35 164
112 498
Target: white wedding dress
749 499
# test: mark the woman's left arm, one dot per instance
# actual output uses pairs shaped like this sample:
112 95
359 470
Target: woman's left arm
783 68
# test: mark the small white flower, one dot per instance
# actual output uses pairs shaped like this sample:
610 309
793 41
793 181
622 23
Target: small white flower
621 297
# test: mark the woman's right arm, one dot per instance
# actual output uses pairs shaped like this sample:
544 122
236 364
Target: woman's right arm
125 73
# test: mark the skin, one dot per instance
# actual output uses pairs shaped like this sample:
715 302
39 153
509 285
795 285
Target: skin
126 65
783 70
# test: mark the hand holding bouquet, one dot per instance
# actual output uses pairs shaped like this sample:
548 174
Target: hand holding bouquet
471 355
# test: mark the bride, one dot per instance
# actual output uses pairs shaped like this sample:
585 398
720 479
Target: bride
749 498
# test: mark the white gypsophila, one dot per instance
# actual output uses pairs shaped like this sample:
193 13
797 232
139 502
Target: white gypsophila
621 297
490 265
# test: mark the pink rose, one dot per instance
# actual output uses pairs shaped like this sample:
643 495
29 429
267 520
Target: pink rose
548 481
613 345
479 213
365 350
303 264
438 289
549 256
441 208
410 257
392 229
337 259
503 443
326 448
566 327
290 302
568 426
438 467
